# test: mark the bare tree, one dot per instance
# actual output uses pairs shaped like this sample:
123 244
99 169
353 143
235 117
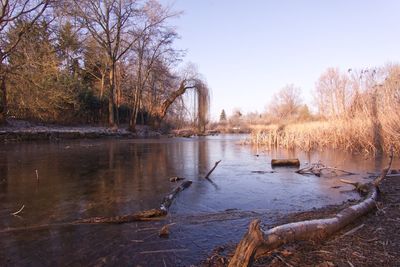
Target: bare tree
109 23
190 79
116 25
286 102
10 13
333 93
152 50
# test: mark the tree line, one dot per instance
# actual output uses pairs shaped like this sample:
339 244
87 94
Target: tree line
369 95
94 61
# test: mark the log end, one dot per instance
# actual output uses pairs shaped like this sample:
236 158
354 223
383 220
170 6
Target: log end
285 162
246 249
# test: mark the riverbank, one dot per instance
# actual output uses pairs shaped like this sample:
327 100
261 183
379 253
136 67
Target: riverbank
17 130
373 240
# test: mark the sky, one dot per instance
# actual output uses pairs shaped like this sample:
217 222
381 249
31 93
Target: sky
248 50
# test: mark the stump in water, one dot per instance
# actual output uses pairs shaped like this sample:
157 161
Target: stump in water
256 239
285 162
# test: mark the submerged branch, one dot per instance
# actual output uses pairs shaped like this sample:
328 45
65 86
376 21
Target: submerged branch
142 215
215 166
146 215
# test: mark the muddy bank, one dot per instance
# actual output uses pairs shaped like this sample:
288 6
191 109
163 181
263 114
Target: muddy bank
16 131
372 240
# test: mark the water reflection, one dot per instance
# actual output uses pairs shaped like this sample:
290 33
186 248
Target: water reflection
82 179
3 173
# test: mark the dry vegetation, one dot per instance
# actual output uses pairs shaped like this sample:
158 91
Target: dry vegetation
357 112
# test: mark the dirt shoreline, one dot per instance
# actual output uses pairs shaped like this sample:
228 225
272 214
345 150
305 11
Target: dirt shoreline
16 131
374 243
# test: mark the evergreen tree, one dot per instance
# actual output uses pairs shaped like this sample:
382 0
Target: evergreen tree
222 117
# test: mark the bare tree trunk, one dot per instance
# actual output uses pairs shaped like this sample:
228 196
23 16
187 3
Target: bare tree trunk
168 102
4 104
102 85
111 99
135 109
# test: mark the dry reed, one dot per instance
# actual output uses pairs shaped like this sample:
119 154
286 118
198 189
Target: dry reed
356 135
368 123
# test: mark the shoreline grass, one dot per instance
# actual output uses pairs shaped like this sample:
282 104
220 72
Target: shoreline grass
355 135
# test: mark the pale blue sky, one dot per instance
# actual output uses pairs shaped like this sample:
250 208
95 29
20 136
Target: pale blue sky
247 50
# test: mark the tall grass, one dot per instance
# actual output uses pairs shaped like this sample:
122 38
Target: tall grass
350 135
368 120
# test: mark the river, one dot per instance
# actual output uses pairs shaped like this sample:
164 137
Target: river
70 180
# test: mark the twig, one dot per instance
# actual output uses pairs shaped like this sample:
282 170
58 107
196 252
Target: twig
215 166
352 231
137 241
20 210
339 170
351 264
37 175
164 251
322 251
282 260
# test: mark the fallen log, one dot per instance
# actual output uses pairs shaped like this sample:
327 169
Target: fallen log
256 239
142 215
285 162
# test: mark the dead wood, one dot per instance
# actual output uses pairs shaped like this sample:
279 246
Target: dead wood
176 179
174 250
18 211
352 231
138 216
145 215
256 239
318 168
164 231
285 162
213 168
360 187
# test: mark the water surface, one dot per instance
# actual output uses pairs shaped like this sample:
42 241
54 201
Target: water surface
70 180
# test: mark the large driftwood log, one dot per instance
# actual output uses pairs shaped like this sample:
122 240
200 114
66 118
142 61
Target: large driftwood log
285 162
142 215
258 239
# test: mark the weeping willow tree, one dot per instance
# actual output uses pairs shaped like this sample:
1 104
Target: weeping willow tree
203 103
201 106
